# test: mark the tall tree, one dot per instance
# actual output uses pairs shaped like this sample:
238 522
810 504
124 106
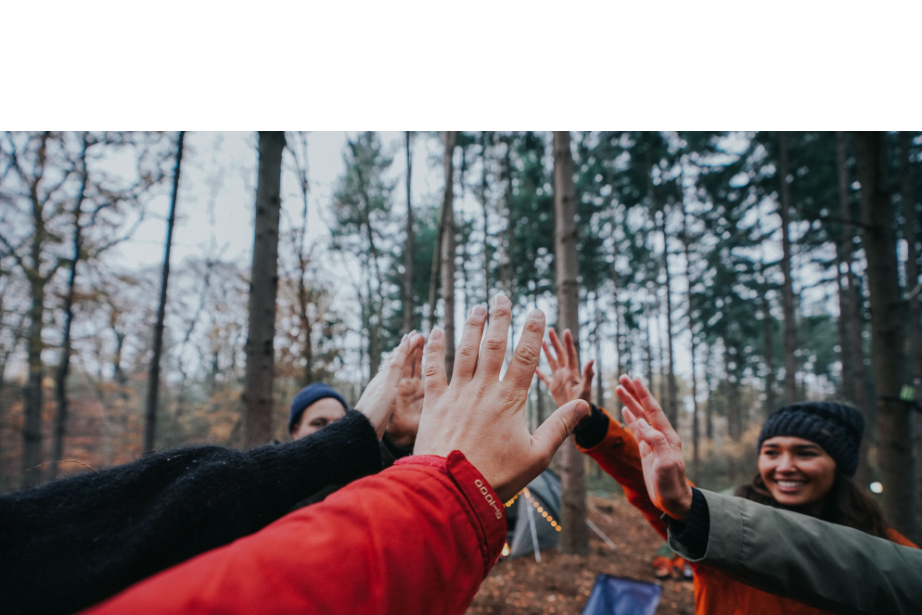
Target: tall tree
854 372
448 250
574 536
60 390
888 357
787 288
153 379
409 248
264 277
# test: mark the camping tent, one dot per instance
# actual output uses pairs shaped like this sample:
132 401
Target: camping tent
619 596
533 516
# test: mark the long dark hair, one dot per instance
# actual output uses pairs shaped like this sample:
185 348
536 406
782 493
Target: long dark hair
845 505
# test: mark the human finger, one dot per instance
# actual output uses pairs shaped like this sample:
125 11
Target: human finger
551 361
406 370
434 379
493 351
625 381
418 358
552 432
527 352
469 348
543 377
653 411
588 375
572 355
558 349
630 402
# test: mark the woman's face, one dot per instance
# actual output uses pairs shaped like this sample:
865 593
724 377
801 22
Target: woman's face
797 472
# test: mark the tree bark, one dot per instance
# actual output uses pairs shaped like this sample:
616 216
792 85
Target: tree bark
907 196
409 250
260 346
856 388
787 289
574 536
893 414
449 250
60 420
33 395
696 428
672 410
153 374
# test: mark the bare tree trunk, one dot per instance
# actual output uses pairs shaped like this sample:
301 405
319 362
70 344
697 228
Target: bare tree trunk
264 277
449 250
672 411
153 374
60 420
574 537
893 414
409 250
787 289
599 380
486 222
696 429
857 390
907 196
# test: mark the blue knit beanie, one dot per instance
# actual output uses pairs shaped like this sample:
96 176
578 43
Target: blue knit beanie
308 395
837 428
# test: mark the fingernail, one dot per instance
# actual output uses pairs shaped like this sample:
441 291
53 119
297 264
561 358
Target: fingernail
478 311
536 314
499 300
643 424
435 335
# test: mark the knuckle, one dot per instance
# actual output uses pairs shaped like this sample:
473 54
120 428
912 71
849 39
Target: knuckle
431 371
535 327
526 353
466 352
501 312
494 344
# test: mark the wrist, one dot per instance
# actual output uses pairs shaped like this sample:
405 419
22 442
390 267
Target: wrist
680 509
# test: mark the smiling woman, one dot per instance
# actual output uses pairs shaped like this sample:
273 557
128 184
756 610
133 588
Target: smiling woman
808 453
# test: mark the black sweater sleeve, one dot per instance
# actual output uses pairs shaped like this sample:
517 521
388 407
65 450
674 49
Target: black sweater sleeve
77 541
694 531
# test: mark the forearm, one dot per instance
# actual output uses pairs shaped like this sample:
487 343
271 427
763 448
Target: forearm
820 564
78 541
417 538
615 449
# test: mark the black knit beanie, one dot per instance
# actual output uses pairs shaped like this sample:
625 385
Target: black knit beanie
837 428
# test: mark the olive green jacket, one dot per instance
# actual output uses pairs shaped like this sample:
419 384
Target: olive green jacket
820 564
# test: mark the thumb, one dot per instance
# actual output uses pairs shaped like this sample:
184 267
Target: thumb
552 432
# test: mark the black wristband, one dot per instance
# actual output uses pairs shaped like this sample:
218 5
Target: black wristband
592 428
694 531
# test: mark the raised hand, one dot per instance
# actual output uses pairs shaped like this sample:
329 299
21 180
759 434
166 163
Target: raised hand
484 417
379 400
405 421
660 449
564 381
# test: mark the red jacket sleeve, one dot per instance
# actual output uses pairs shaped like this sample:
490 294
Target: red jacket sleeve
619 455
417 538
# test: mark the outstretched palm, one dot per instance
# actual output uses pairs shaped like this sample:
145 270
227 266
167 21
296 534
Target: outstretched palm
660 449
565 382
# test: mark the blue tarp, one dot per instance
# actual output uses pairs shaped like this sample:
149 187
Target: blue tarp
620 596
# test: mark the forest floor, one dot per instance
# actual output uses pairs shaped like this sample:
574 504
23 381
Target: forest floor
561 583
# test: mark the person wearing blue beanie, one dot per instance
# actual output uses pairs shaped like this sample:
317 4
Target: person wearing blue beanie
313 408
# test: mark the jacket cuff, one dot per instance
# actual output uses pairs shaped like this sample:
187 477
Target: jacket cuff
615 434
486 513
591 430
692 533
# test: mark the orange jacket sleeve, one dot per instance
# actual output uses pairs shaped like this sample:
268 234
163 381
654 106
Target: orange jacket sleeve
619 455
418 538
